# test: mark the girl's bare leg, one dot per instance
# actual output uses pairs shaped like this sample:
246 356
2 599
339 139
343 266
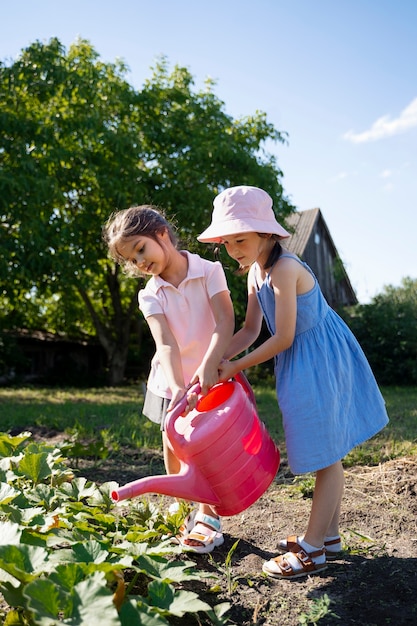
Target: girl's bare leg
325 510
172 464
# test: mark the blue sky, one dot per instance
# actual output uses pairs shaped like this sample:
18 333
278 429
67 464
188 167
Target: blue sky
339 76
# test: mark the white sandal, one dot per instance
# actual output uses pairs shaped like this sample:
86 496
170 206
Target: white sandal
207 531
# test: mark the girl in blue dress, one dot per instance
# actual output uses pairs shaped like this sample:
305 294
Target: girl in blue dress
328 396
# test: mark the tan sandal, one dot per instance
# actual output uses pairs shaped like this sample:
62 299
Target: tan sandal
290 545
281 567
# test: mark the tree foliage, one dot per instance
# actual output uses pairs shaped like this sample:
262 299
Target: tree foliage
387 331
78 142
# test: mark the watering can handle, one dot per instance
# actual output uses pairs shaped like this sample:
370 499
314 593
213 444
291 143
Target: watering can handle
181 404
242 380
196 388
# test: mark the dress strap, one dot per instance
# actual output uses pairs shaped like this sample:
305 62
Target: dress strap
296 258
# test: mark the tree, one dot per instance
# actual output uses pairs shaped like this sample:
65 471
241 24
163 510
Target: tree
77 142
387 331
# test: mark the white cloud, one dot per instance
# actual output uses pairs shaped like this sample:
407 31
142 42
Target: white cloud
387 127
386 174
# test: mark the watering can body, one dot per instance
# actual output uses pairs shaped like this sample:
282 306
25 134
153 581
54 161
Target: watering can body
228 459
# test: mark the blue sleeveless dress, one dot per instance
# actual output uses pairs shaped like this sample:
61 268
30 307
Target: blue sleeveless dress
327 393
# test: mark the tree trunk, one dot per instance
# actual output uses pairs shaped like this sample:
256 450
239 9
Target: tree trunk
114 335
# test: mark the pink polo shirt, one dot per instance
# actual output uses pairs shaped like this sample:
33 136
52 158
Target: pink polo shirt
188 311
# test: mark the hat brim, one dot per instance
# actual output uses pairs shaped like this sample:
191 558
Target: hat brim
218 231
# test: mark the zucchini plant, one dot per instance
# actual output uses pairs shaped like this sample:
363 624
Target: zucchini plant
70 555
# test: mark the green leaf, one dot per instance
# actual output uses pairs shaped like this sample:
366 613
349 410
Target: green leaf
9 444
23 562
86 552
10 534
68 575
7 494
136 613
176 603
78 488
43 600
11 590
91 602
171 571
35 466
161 594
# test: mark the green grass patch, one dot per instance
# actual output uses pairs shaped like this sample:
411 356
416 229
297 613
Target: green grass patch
84 411
116 413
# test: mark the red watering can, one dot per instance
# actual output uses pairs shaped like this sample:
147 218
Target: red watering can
228 459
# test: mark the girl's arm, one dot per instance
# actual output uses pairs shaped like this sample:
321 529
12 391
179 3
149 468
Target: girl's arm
169 356
284 277
251 327
207 372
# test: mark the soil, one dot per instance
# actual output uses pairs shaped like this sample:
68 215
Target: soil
373 584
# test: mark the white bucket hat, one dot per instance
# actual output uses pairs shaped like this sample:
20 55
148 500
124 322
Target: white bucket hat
241 209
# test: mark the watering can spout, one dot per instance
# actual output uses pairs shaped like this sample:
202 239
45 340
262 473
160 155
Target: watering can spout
188 484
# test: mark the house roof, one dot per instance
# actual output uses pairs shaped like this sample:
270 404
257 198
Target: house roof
301 225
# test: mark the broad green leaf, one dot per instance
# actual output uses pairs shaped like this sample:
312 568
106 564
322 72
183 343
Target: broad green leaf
176 603
135 549
102 496
23 562
35 466
161 594
12 589
92 604
9 444
187 602
68 575
78 488
134 613
7 494
43 494
43 600
87 552
171 571
10 534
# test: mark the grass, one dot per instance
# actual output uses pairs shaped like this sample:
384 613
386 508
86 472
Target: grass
89 411
118 411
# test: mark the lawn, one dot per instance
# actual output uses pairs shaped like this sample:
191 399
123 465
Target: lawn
116 413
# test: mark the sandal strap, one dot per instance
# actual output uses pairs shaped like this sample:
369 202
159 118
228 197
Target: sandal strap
209 520
332 542
304 558
292 544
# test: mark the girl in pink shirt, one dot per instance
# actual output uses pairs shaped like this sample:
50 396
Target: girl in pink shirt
187 305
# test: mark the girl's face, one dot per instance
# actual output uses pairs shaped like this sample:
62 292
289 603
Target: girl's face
246 248
150 256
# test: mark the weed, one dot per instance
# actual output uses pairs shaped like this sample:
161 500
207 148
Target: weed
305 485
320 608
227 570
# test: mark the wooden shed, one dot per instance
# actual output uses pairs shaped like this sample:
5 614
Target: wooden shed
312 242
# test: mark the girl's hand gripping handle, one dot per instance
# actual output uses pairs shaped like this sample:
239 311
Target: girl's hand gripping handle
182 404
